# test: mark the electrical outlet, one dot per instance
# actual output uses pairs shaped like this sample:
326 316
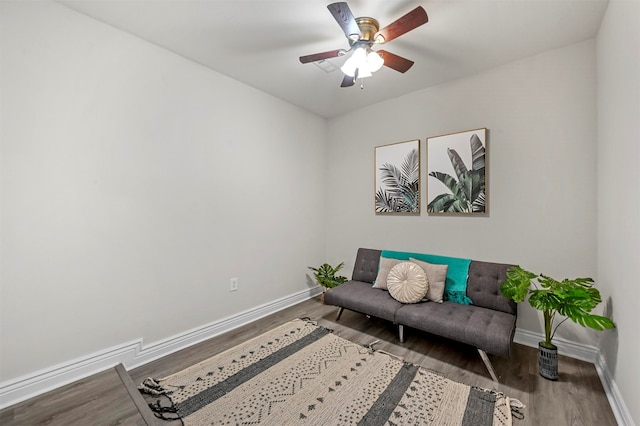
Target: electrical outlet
233 284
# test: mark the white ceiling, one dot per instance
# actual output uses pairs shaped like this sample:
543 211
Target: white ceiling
258 42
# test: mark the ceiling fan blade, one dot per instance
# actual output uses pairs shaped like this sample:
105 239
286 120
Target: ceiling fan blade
348 81
345 19
395 62
403 25
323 55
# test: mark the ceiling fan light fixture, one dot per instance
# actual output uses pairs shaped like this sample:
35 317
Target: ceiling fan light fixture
355 61
363 59
363 33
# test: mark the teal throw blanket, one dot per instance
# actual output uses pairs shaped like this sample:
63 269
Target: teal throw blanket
455 288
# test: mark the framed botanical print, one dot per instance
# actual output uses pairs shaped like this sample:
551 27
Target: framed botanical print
456 173
397 178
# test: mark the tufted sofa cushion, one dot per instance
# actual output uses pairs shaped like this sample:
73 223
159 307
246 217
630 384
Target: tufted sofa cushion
361 297
483 286
365 268
487 329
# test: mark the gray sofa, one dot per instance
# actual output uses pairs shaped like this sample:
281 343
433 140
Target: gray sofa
488 324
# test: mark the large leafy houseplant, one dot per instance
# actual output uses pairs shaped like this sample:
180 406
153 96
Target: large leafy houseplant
574 299
325 275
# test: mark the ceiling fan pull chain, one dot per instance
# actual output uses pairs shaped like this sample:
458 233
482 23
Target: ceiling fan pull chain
355 78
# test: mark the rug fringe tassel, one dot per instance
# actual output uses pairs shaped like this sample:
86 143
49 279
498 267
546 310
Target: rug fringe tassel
516 407
394 356
372 350
161 411
151 386
370 346
309 320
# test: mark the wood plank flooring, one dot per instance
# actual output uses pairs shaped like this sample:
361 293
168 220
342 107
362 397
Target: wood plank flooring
577 398
97 400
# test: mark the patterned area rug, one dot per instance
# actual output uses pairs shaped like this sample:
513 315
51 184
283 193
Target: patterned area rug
300 373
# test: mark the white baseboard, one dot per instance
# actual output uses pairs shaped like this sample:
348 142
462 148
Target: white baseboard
590 354
620 410
565 347
134 354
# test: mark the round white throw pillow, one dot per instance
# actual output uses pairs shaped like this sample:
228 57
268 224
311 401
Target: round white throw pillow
407 283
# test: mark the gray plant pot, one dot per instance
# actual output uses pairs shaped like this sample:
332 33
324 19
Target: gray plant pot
548 361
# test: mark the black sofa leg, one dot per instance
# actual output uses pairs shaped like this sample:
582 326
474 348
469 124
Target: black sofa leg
339 314
488 364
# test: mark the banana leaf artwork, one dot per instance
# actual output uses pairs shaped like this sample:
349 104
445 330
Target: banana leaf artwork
456 173
397 178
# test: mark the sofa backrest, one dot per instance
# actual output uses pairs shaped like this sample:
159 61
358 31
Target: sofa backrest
483 286
483 282
366 267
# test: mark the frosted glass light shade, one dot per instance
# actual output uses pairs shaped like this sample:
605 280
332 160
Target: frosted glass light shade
356 60
374 61
364 60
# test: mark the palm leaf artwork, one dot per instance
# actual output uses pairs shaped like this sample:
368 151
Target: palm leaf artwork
400 190
467 188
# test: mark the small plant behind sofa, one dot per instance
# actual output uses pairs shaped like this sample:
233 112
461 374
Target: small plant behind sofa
574 299
325 275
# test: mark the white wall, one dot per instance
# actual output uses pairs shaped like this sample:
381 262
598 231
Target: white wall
541 116
135 184
619 189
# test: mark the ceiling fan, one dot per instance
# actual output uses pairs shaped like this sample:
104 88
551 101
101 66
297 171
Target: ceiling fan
362 34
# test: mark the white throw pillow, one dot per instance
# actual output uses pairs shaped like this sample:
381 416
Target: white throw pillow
437 276
384 267
407 282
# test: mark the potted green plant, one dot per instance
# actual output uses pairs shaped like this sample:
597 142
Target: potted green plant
325 275
574 299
